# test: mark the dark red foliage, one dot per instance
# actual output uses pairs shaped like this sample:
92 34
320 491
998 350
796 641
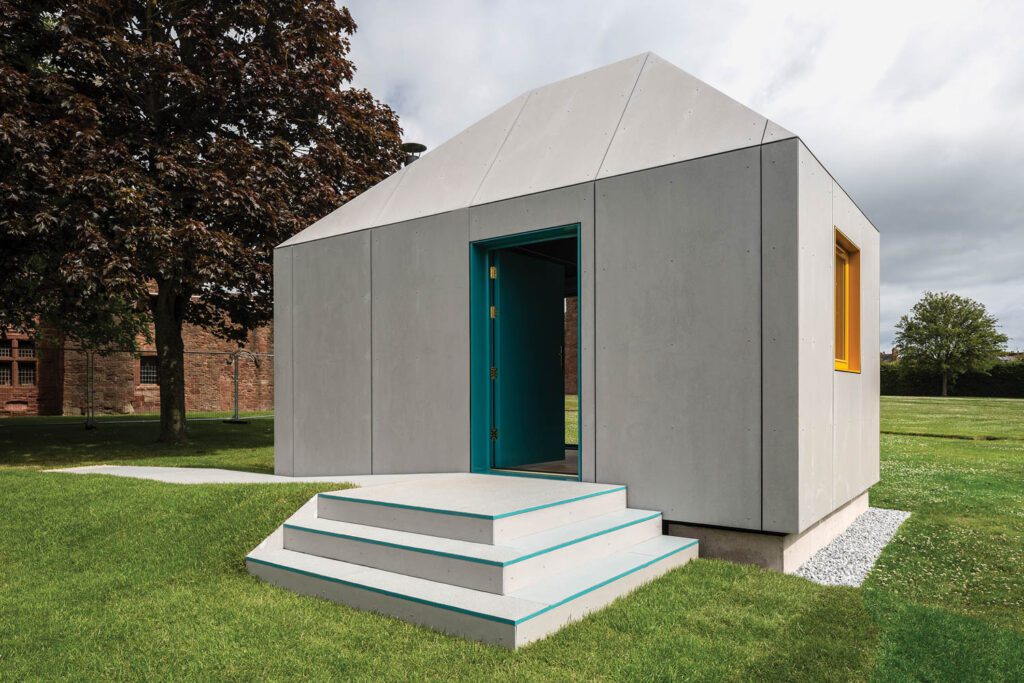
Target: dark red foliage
172 145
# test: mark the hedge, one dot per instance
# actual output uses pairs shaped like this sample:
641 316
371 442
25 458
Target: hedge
1006 380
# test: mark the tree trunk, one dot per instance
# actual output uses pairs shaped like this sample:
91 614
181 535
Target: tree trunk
945 383
168 316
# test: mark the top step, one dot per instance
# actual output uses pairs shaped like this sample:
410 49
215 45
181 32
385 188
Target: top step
479 508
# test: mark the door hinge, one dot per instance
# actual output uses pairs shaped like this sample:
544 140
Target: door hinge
494 272
494 372
494 433
494 312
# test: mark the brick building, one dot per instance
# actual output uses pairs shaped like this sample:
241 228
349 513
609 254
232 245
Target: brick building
35 380
571 345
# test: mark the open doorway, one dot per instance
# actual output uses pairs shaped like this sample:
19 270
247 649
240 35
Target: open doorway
527 318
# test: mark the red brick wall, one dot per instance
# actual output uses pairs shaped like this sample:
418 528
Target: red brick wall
209 378
571 344
16 398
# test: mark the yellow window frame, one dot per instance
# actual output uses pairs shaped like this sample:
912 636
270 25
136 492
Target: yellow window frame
847 304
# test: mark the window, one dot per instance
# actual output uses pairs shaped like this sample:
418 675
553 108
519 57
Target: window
5 374
148 370
5 348
847 304
26 349
26 374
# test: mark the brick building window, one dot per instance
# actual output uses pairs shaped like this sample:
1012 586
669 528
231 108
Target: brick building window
5 348
148 370
26 374
5 374
26 349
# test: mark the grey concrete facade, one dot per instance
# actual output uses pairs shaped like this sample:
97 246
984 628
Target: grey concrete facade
678 332
421 345
706 309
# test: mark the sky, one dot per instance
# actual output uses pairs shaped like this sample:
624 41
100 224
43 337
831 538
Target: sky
916 108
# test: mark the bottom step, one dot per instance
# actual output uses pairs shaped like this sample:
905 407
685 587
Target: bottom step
510 620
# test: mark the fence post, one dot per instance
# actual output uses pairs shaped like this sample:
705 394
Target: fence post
236 420
90 405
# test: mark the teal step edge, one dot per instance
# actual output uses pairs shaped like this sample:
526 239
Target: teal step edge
469 558
473 613
475 515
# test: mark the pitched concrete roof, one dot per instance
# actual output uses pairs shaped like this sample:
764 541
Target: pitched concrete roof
639 113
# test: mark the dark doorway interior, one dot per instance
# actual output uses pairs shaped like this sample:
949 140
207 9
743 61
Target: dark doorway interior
534 290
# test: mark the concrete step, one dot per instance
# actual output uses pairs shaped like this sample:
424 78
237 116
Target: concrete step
475 507
500 569
510 620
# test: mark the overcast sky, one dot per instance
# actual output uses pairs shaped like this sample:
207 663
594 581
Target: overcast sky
917 109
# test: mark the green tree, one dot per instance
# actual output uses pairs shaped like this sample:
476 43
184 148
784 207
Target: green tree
949 335
153 152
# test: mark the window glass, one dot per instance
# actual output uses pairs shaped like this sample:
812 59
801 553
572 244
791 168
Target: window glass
26 374
147 370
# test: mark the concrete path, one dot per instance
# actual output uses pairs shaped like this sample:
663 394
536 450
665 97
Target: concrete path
208 475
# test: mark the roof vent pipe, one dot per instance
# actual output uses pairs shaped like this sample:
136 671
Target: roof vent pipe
412 151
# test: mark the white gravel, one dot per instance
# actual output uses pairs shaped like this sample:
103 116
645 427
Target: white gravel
848 559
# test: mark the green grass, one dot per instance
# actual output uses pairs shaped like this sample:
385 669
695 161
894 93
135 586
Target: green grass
973 418
104 578
572 414
47 442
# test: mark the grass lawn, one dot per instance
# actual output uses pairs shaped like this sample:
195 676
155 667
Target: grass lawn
102 577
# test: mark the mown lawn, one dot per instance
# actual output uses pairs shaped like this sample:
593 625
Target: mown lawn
104 578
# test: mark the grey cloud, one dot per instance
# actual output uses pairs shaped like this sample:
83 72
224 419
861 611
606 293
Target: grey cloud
915 112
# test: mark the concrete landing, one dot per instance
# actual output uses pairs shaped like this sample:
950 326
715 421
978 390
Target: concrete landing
505 560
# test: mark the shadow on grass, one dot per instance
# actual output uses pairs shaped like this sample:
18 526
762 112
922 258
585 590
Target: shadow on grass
49 444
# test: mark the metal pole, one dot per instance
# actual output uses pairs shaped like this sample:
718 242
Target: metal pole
235 357
90 407
236 387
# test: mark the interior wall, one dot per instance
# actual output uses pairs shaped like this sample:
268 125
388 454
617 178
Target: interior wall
678 338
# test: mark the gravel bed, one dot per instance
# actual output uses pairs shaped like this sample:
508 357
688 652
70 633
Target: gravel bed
848 559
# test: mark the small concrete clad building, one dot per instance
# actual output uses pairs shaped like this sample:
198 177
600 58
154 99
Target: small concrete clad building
727 308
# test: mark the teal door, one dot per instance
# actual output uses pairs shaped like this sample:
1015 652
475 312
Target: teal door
528 420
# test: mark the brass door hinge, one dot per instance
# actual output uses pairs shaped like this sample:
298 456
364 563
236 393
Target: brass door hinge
494 272
494 312
494 433
494 372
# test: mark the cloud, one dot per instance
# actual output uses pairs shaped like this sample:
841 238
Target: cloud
914 107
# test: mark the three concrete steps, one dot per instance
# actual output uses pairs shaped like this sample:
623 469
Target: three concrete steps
505 560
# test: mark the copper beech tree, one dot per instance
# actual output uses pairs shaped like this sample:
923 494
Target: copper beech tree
152 154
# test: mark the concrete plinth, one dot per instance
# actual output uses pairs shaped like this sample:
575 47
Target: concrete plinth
781 552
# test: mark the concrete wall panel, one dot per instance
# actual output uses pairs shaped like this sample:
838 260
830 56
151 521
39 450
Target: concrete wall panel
447 178
815 303
678 338
421 345
283 354
856 394
870 361
780 202
548 210
562 134
331 355
672 117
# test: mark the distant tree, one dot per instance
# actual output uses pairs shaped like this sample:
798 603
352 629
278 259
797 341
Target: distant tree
949 335
153 153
